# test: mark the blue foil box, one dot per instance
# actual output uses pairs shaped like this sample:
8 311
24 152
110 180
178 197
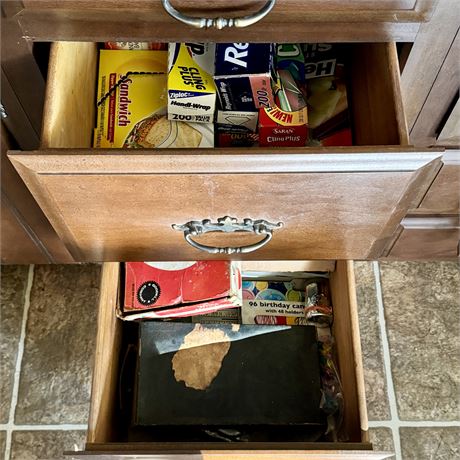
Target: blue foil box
243 75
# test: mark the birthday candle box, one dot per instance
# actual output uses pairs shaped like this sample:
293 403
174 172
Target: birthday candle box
158 290
243 74
274 302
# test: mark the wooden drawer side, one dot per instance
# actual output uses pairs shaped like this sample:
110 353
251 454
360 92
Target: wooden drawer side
348 349
106 370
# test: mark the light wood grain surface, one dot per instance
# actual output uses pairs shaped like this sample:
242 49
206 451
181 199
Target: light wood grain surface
443 196
290 20
103 215
423 67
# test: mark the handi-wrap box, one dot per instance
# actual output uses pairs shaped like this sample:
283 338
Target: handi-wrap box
243 75
179 289
191 88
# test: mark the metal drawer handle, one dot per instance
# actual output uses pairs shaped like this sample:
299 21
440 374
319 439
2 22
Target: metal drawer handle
219 23
227 225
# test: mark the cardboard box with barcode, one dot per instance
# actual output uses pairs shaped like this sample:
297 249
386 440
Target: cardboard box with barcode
191 88
133 101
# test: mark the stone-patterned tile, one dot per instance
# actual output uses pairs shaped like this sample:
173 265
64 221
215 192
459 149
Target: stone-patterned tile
49 445
2 443
58 354
382 439
422 310
430 443
371 343
13 286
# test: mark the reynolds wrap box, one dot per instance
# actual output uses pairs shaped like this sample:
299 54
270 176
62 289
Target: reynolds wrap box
228 137
179 289
243 75
133 101
191 88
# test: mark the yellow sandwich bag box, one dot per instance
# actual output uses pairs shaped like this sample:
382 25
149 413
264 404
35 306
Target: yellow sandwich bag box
134 113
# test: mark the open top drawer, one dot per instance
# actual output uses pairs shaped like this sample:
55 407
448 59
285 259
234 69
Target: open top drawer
333 203
105 430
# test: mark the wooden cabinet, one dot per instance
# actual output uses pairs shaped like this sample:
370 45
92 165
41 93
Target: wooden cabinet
26 236
105 432
289 20
341 203
432 230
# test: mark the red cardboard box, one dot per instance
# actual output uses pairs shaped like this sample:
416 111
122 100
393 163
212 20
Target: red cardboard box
179 289
278 128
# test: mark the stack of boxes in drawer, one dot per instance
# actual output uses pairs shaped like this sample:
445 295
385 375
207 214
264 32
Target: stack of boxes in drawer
192 315
190 95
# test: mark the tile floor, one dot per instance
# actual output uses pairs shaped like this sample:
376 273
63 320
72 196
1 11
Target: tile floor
410 332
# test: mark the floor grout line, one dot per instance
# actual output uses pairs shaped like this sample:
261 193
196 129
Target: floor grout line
17 370
395 422
413 423
55 427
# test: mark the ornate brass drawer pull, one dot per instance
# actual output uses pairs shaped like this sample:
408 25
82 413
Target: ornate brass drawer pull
219 23
227 225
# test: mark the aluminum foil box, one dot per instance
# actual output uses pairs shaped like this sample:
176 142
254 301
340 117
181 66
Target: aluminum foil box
179 289
243 75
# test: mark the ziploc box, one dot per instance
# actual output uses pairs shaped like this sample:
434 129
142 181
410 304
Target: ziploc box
191 88
179 289
135 97
133 101
243 75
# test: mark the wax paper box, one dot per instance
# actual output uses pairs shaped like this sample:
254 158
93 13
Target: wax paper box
179 289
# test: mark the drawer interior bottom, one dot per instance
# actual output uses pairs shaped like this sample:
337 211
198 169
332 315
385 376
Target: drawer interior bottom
374 97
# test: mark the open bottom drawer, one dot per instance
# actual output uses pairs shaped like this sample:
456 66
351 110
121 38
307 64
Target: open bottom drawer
334 203
105 435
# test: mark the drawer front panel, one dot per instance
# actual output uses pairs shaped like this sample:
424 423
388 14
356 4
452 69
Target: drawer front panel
122 207
236 455
443 195
291 20
428 238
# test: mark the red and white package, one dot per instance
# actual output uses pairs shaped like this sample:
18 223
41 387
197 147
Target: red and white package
156 290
